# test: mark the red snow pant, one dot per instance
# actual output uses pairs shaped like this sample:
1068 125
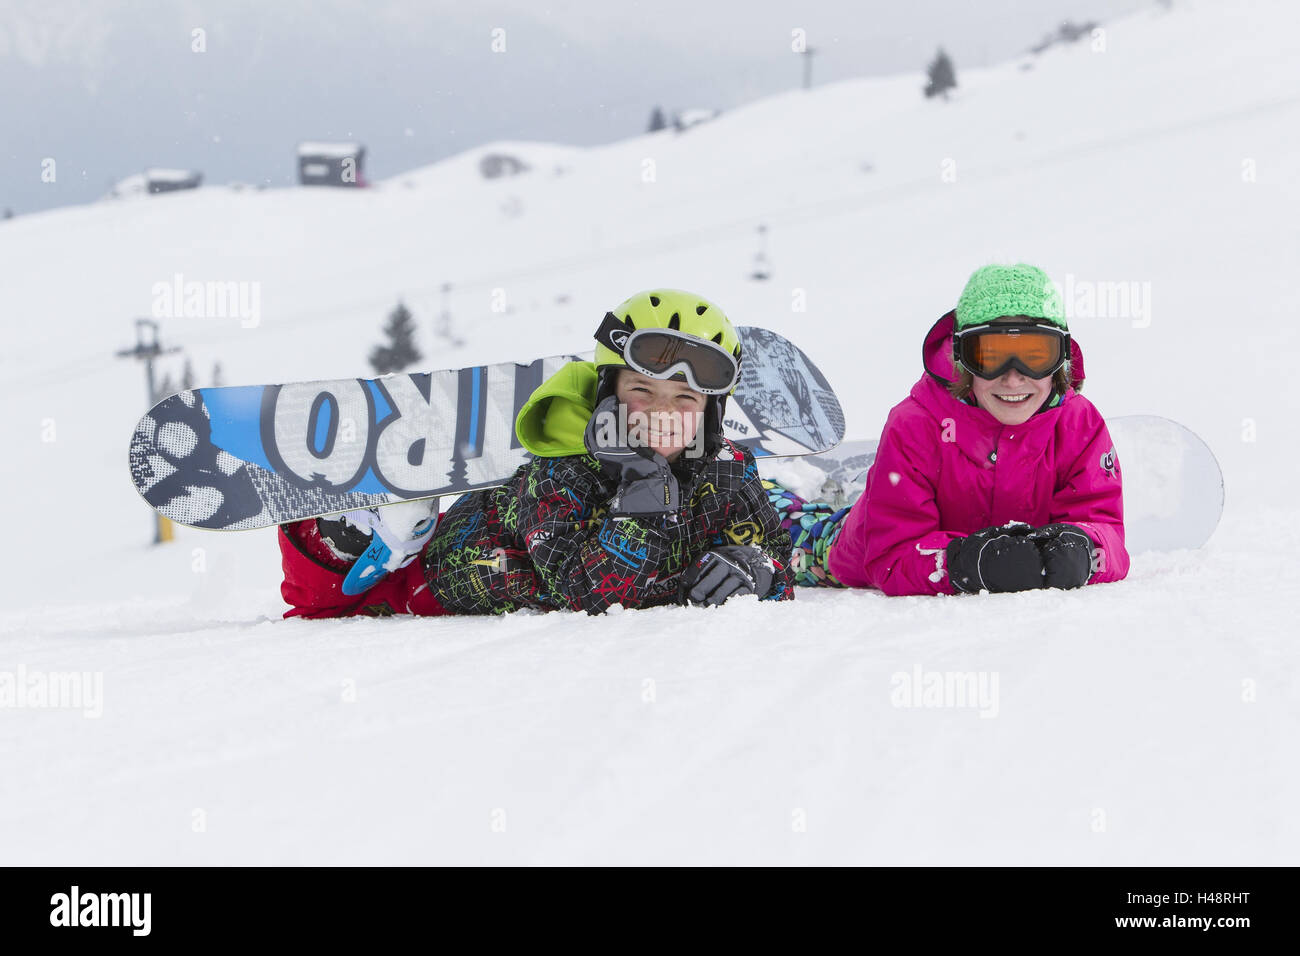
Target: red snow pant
313 581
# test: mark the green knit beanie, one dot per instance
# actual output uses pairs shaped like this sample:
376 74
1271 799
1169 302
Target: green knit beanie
996 291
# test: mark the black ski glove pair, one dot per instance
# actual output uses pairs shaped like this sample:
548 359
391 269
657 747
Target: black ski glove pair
647 486
727 571
1018 557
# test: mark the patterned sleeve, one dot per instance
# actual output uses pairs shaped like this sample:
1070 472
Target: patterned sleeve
584 559
751 519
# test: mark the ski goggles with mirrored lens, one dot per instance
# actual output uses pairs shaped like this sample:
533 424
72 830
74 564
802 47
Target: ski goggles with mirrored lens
662 353
990 351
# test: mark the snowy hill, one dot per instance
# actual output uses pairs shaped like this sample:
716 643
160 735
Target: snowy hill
1146 722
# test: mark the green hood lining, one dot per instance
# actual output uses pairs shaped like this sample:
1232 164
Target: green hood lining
552 422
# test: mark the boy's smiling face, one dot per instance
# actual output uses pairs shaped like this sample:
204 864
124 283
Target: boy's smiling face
664 415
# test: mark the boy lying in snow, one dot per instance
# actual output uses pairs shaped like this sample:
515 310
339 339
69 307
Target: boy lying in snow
634 497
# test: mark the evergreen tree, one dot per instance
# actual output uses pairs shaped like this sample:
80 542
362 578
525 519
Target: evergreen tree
657 121
187 376
400 350
942 76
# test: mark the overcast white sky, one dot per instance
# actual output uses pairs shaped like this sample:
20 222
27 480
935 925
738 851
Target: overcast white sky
108 88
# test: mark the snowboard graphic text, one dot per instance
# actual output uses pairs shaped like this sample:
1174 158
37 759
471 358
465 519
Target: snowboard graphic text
333 436
259 455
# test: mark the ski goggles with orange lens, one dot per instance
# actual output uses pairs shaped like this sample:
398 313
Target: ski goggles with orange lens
662 353
990 351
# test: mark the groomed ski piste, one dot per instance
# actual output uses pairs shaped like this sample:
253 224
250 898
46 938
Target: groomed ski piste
1152 721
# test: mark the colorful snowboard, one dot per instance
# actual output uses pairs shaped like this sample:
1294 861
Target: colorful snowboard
1173 487
253 456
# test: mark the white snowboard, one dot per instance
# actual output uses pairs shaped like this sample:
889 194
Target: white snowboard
1173 487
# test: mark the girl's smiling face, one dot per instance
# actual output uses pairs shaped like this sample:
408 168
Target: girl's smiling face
1012 398
663 415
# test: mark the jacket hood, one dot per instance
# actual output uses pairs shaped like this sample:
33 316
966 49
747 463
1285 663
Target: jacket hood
936 353
552 422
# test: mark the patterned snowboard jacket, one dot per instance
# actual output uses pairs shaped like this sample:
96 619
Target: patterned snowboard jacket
544 540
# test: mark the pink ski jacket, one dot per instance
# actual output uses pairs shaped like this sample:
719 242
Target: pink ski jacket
944 469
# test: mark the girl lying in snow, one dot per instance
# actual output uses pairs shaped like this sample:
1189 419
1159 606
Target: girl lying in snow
634 496
993 474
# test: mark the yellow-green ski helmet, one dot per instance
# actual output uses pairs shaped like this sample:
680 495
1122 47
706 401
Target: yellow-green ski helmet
683 312
672 309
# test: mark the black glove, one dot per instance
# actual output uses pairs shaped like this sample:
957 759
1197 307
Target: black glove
995 559
1067 554
647 485
727 571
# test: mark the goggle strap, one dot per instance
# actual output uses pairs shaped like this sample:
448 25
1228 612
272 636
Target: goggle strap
613 333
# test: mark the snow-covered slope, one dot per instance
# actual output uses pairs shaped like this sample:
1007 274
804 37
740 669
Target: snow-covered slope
1151 721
